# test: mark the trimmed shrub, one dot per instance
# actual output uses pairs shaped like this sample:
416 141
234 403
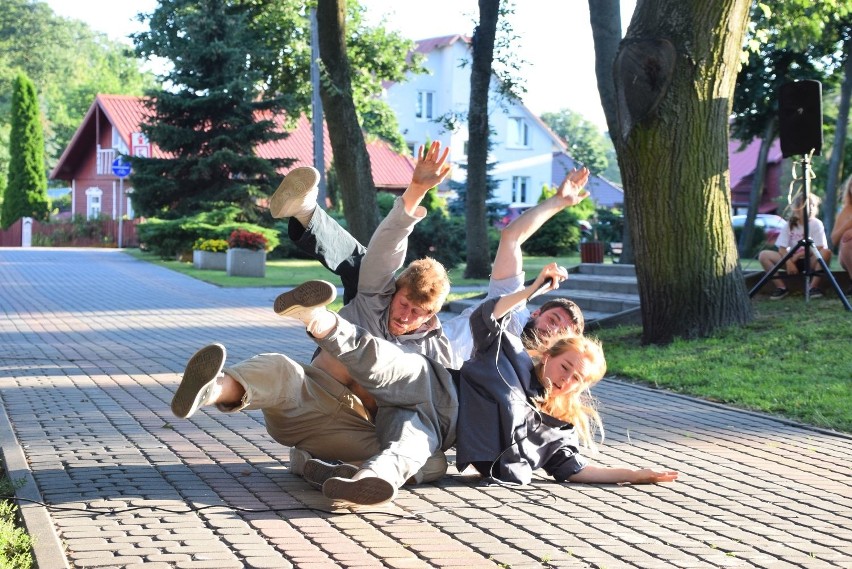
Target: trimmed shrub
175 238
441 237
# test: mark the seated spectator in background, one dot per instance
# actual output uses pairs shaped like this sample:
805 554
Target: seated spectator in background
790 235
841 234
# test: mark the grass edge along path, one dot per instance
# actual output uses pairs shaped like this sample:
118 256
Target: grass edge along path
792 361
15 543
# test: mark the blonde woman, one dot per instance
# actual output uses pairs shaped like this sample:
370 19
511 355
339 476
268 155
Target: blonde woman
841 234
507 412
791 234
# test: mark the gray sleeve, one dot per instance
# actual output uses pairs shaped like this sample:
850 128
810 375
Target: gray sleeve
386 251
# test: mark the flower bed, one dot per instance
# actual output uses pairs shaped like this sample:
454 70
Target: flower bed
246 255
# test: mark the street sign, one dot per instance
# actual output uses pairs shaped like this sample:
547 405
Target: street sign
120 168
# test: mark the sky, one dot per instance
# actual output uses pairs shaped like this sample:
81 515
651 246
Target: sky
555 38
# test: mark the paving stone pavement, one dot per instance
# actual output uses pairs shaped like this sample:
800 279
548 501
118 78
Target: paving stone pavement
92 344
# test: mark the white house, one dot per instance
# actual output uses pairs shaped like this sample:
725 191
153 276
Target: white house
523 146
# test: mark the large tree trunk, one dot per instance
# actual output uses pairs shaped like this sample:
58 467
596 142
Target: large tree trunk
757 184
675 74
478 255
605 18
835 164
351 161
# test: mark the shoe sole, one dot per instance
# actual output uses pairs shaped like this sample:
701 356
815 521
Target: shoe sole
316 472
298 459
295 186
201 369
312 294
364 491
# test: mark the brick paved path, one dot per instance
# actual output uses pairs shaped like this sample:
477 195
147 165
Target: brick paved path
91 346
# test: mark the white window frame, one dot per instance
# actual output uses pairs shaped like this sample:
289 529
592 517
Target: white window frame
425 106
94 202
518 135
520 188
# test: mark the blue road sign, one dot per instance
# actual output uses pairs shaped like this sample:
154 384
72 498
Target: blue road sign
120 168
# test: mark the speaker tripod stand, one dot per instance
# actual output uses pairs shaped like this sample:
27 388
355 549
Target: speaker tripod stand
810 249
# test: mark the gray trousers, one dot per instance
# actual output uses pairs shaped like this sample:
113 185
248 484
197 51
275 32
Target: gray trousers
305 407
327 242
417 399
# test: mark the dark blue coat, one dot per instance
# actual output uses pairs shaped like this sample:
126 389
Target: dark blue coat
500 431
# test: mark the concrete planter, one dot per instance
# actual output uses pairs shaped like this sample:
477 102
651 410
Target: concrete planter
208 260
246 263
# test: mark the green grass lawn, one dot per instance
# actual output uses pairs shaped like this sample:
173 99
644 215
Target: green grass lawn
279 273
793 360
291 272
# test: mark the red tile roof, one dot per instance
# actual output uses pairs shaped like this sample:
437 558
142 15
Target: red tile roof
390 169
431 44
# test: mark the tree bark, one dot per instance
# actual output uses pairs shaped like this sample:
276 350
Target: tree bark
351 160
605 18
838 148
675 73
757 184
476 219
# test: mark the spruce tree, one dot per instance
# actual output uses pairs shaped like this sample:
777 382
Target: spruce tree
26 189
213 116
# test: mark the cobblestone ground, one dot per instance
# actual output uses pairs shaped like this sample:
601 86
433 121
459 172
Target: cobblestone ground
92 343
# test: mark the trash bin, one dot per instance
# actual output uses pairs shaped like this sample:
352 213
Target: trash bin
592 252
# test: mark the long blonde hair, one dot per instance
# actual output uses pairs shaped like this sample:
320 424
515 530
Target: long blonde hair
576 405
797 206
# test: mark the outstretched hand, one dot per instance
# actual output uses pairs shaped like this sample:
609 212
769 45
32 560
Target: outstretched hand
649 476
432 166
571 190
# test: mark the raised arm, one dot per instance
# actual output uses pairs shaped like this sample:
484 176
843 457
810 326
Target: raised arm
508 261
431 169
549 278
602 475
389 244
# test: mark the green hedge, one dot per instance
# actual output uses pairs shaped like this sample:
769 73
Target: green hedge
173 238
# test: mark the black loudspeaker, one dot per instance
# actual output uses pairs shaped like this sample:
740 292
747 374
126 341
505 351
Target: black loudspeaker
800 117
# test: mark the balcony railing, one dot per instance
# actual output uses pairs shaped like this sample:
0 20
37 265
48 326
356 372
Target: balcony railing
105 158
